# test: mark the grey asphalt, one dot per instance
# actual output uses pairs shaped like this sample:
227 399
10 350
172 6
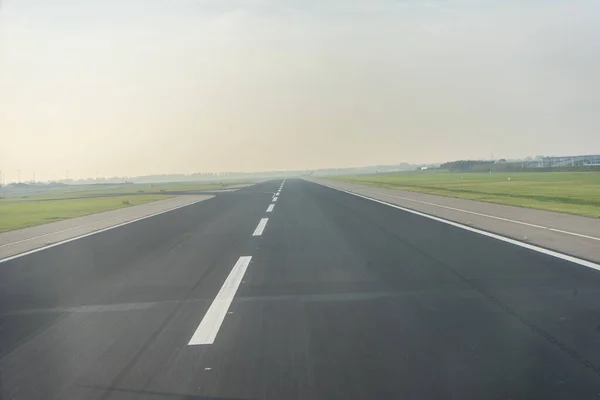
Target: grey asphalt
567 233
344 298
20 241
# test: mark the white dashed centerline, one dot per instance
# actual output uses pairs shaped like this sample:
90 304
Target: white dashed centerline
211 323
208 329
261 227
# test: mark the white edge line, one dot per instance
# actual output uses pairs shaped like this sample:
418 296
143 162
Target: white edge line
270 208
491 216
10 258
73 228
208 329
260 227
542 250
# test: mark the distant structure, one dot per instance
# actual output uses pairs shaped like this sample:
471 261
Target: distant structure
563 161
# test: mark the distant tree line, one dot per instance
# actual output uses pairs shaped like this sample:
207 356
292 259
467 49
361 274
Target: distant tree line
467 165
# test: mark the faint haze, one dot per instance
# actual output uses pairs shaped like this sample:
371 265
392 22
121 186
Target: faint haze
133 87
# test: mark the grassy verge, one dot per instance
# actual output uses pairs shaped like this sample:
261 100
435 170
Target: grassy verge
29 212
36 205
76 191
154 188
570 192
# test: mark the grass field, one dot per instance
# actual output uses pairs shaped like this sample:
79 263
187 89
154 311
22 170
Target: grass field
570 192
74 191
21 214
154 188
21 208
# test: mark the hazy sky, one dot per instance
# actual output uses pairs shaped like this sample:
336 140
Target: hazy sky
129 87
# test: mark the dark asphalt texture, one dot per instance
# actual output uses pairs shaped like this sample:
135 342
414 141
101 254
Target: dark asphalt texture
344 298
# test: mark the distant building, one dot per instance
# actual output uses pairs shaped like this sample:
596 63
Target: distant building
572 161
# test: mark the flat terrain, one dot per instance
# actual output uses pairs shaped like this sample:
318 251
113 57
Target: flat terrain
570 192
576 235
21 208
24 240
312 294
154 188
15 215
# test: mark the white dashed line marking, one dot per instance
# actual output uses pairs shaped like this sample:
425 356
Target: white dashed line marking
213 319
275 199
270 208
261 227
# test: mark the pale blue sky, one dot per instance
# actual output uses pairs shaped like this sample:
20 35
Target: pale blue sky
128 87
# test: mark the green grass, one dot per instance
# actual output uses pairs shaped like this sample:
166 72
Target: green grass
22 208
21 214
150 188
569 192
74 191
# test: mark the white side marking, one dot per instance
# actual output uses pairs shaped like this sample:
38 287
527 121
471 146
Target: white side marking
270 208
61 231
261 227
93 233
552 253
211 323
492 216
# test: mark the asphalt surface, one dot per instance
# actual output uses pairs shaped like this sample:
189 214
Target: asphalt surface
344 298
576 235
34 238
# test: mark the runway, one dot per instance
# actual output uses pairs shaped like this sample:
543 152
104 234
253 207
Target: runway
292 290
